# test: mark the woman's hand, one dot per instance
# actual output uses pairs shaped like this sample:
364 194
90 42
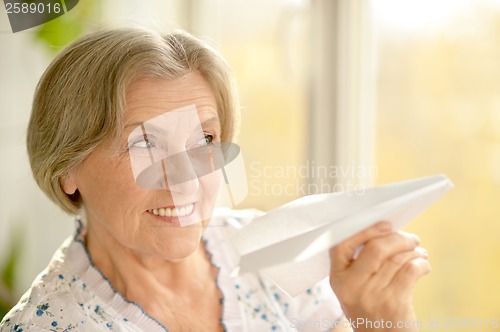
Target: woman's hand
375 289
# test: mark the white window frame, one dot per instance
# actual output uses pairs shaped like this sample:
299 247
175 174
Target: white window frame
342 115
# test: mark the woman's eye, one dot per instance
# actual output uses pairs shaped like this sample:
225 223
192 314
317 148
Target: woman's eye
206 140
143 144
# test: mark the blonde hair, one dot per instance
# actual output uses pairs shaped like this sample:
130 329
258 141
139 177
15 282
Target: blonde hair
80 99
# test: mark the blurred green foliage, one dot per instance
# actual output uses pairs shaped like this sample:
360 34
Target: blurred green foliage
8 274
60 32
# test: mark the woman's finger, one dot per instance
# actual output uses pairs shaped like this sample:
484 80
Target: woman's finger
384 277
342 254
377 251
406 278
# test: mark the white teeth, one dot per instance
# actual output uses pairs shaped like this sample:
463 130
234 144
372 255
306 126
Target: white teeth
175 212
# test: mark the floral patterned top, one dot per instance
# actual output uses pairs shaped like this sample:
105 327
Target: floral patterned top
71 294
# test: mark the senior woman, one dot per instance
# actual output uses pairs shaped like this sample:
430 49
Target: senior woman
143 257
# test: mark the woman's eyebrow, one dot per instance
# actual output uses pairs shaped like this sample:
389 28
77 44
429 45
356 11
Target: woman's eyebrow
134 124
151 128
208 122
146 128
212 121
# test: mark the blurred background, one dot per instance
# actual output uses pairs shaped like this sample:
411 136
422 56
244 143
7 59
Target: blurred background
376 91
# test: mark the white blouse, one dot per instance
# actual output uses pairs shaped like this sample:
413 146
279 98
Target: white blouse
71 294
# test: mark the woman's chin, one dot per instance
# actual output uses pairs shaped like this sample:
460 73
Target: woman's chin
181 245
179 253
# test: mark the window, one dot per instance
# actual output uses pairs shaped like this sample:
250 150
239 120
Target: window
438 110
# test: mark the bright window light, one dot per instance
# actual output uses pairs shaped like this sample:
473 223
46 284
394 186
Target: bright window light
418 15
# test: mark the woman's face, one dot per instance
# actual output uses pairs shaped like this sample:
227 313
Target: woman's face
143 218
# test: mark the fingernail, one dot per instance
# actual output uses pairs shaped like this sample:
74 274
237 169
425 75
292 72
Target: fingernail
384 226
416 238
423 251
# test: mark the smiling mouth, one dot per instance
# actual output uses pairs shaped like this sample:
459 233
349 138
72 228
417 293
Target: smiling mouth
173 212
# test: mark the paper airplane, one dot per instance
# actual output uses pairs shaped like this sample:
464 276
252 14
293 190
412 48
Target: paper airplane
290 244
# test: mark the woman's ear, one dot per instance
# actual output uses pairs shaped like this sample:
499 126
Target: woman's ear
68 184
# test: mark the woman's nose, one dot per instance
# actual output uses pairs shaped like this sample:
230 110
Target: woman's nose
186 188
180 175
174 173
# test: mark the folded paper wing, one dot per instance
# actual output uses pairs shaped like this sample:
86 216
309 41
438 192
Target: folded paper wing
290 244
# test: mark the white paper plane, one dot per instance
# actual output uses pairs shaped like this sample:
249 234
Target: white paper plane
290 244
